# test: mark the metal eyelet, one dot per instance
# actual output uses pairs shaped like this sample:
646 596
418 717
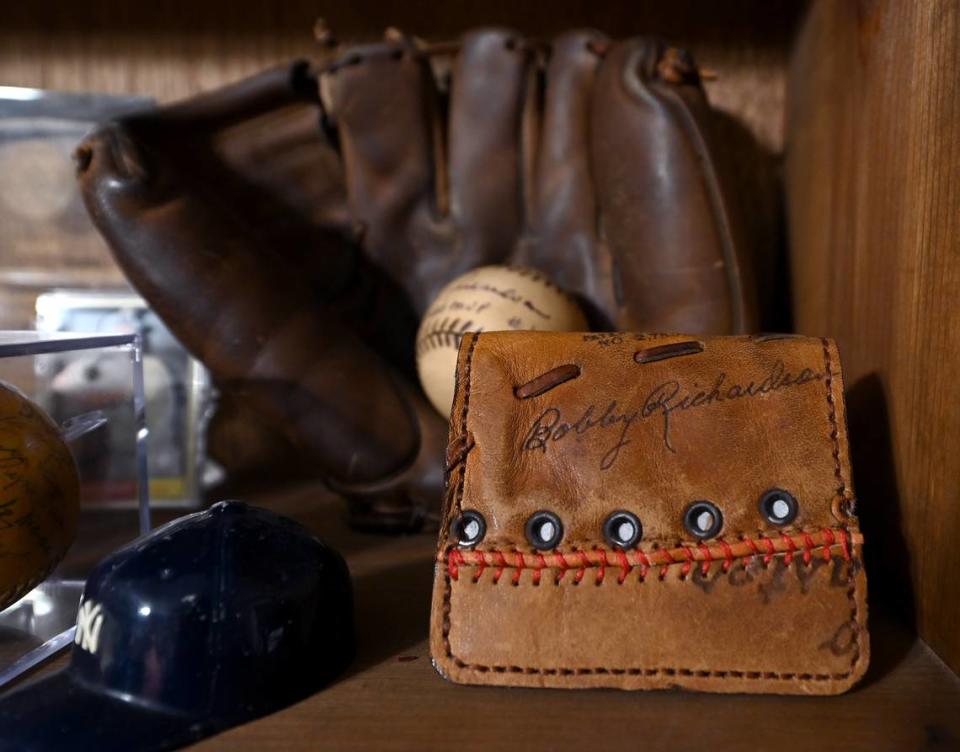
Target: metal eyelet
544 530
703 519
469 528
622 529
778 507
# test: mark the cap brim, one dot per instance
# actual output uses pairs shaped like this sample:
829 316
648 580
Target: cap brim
58 712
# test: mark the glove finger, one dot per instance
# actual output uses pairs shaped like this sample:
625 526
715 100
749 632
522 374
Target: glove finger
491 117
384 104
662 210
567 244
188 253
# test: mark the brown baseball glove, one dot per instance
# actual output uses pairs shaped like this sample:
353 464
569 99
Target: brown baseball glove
292 228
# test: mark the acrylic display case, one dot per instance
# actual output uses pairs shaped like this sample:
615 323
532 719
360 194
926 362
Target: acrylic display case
177 388
107 434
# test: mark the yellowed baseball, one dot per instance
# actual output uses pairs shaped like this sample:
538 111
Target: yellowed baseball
488 299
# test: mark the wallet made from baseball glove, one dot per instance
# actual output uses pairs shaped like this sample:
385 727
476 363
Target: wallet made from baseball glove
647 512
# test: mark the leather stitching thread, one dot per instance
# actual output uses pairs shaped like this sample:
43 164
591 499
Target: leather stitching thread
832 414
463 415
746 549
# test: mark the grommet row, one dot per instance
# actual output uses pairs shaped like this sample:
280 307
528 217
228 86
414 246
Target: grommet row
622 529
703 519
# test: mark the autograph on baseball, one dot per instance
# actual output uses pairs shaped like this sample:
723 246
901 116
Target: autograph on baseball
552 426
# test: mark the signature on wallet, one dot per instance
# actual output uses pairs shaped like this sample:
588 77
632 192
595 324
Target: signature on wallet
552 426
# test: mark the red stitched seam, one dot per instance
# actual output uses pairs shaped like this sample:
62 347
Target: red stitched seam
791 547
771 550
727 554
584 563
687 557
521 565
707 558
453 561
807 548
828 541
843 544
688 565
624 565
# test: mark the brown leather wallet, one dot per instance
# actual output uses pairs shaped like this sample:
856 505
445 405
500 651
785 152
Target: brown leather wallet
648 512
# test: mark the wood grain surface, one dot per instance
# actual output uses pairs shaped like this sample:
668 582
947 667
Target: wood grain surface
873 159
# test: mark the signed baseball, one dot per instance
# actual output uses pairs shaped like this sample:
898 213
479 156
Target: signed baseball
488 299
39 495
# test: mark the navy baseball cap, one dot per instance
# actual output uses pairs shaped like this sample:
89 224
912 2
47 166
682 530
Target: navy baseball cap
210 621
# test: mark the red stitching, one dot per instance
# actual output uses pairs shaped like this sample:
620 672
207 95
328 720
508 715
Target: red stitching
541 563
522 565
771 550
828 541
453 561
703 555
707 558
791 547
727 554
843 544
668 561
584 563
624 565
563 567
501 565
602 569
752 544
685 569
644 564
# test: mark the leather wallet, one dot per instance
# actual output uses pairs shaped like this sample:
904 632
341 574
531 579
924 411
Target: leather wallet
648 512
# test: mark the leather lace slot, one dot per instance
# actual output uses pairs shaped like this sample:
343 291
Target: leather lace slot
547 381
773 336
673 350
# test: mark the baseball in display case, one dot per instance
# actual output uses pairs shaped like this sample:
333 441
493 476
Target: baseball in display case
52 462
177 394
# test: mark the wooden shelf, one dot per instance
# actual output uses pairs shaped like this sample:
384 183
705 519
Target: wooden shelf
391 697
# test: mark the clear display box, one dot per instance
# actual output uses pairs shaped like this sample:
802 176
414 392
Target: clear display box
107 435
177 388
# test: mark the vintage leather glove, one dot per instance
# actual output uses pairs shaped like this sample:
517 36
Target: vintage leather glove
292 228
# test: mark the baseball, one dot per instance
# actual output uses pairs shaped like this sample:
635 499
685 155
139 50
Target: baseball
39 495
488 299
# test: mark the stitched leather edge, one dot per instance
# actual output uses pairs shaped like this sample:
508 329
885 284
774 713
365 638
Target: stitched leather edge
467 383
832 416
856 567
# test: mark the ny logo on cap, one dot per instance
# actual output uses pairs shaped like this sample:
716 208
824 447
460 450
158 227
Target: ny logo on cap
89 622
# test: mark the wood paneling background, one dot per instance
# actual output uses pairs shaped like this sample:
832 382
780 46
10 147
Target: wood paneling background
172 49
873 186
